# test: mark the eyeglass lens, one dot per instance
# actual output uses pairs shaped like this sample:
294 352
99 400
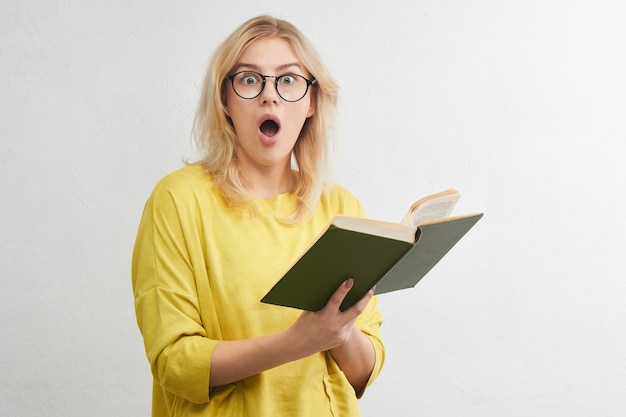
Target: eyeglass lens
290 87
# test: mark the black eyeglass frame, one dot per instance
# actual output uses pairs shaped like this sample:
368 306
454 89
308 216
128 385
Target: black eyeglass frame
276 78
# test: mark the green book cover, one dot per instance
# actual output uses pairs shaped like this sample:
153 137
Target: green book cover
434 241
370 259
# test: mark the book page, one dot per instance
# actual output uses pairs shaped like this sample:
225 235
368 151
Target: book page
432 207
376 227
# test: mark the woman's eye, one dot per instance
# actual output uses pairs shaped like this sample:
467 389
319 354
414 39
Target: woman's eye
287 79
248 79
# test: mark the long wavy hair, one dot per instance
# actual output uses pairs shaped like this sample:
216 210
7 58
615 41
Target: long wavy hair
215 135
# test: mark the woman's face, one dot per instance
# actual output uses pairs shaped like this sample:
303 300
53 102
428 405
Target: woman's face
267 126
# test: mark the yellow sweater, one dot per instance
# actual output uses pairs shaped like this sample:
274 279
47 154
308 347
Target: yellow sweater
199 270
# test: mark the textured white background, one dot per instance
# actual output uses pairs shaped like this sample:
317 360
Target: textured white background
520 105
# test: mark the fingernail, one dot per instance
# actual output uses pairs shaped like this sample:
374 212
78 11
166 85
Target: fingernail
349 282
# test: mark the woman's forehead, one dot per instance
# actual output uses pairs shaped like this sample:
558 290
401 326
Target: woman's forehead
269 53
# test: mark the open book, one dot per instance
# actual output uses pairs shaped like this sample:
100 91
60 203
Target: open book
390 256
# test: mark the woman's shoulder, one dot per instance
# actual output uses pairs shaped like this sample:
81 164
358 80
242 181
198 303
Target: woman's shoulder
185 184
336 190
188 177
342 200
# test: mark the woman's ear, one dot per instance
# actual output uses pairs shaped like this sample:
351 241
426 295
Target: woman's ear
224 100
312 103
226 113
225 107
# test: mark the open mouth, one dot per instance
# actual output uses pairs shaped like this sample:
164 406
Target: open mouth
269 127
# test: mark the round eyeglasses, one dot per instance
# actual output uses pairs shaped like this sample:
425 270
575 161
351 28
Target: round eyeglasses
250 84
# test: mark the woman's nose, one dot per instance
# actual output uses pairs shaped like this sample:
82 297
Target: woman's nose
270 92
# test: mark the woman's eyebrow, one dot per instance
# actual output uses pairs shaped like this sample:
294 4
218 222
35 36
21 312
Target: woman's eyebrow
248 66
257 68
285 66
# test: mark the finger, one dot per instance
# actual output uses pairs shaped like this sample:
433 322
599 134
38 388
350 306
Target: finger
358 307
340 293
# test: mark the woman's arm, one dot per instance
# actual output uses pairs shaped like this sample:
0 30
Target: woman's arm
326 330
356 359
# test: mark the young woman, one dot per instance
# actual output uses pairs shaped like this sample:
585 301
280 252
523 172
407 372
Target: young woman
215 236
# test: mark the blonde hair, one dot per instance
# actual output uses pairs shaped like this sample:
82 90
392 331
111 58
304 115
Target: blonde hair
215 136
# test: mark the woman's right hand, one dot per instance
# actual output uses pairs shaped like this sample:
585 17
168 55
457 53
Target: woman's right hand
329 327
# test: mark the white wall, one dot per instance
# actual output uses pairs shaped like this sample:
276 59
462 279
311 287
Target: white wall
520 105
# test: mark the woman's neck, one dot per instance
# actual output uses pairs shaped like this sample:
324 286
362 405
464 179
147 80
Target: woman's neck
265 183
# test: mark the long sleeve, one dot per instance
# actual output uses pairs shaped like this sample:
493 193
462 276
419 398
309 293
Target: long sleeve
167 305
369 323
